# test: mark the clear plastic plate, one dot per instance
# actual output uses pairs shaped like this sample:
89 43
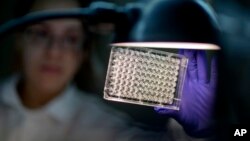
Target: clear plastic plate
145 76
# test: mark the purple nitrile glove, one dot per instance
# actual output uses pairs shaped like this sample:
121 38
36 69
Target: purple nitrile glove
198 97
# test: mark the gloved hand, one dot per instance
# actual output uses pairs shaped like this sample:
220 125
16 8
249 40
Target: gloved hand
196 109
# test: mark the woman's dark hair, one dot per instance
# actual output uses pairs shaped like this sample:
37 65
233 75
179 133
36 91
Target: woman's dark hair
23 7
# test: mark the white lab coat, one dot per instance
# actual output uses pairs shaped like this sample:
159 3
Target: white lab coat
73 116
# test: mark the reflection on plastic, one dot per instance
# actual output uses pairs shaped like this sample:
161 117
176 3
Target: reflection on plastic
145 77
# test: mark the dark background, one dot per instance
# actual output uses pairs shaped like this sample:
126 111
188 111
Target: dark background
233 104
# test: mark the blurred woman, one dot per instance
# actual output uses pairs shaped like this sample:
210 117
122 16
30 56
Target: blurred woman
40 102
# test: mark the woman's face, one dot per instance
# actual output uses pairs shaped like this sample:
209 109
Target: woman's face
52 52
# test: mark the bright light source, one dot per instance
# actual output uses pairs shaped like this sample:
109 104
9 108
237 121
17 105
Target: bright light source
170 45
